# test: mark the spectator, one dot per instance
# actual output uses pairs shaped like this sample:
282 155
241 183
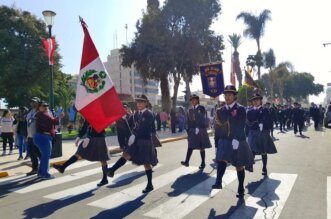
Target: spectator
173 120
164 119
7 131
45 131
21 132
158 121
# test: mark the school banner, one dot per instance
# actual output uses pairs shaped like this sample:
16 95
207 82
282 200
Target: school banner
212 79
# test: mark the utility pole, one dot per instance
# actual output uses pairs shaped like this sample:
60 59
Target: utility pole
126 33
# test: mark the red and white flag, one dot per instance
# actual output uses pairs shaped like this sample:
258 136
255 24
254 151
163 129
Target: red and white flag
96 97
49 45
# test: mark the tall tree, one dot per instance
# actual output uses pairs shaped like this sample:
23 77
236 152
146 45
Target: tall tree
235 40
255 29
23 63
269 63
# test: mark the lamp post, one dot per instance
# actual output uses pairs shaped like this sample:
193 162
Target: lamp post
49 20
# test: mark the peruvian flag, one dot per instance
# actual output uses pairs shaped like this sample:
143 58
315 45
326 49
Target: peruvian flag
96 97
233 73
49 45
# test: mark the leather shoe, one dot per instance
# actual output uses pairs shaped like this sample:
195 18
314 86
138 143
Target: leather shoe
103 182
58 168
148 189
202 166
240 193
217 185
32 172
184 163
110 172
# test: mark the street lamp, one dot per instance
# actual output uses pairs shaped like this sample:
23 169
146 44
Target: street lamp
49 20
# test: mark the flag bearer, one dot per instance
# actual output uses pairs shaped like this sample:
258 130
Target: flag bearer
140 150
232 145
259 131
197 135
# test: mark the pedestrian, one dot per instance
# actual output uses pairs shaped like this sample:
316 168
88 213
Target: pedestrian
158 121
259 132
21 132
314 113
7 131
197 135
164 119
271 118
232 145
45 132
92 148
140 150
34 151
298 118
123 129
282 118
173 120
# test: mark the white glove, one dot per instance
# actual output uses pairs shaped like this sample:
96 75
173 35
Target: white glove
86 141
197 131
261 127
131 140
124 117
235 144
77 141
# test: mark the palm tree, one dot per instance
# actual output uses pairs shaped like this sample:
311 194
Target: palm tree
269 63
235 40
255 29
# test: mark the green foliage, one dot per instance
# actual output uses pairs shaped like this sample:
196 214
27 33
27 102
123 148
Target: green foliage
244 93
269 59
23 64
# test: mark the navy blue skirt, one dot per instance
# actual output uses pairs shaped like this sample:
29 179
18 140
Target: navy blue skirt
142 152
261 142
199 141
96 150
243 156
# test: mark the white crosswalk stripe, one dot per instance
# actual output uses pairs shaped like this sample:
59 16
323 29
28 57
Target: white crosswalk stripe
273 193
71 192
14 179
185 203
131 193
328 197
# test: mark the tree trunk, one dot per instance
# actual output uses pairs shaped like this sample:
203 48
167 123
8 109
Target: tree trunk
176 86
165 94
237 67
258 66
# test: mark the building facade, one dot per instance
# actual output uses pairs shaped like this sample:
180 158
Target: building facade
327 94
128 80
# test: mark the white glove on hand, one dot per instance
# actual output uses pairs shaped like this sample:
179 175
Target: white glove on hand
77 141
131 140
86 141
124 117
235 144
261 127
197 131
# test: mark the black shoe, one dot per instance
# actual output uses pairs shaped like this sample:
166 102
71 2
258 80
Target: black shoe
26 157
102 182
110 172
240 193
184 163
264 172
217 185
148 189
202 166
32 172
58 168
20 158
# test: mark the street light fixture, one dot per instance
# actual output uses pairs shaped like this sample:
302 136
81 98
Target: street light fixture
49 20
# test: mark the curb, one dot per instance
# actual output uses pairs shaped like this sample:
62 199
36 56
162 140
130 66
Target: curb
3 174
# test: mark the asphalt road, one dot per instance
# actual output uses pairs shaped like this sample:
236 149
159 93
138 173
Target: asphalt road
296 187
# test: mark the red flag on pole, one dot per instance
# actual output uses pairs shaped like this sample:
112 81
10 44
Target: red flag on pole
96 97
233 73
49 45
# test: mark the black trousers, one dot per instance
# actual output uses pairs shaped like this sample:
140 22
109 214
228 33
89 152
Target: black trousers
281 125
34 153
123 138
7 137
298 125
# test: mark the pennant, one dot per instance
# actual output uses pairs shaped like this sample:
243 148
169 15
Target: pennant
249 80
49 45
96 97
212 79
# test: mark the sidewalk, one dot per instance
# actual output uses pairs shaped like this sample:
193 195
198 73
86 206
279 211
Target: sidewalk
9 163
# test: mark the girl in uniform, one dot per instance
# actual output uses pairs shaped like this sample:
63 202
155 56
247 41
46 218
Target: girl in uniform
140 149
232 145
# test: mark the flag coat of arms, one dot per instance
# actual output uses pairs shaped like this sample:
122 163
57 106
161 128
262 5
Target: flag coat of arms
96 97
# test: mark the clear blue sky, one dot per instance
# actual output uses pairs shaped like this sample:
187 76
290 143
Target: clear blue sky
296 33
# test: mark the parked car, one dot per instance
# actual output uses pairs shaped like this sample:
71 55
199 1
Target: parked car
327 118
